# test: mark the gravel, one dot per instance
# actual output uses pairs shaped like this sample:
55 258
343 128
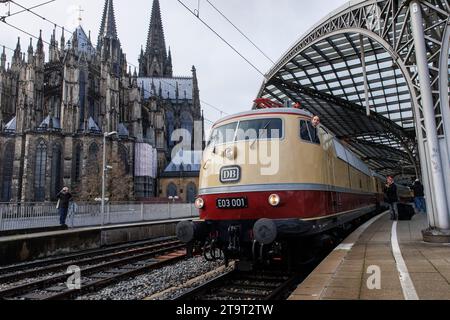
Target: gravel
156 281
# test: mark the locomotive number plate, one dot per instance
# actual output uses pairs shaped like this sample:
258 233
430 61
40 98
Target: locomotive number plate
231 203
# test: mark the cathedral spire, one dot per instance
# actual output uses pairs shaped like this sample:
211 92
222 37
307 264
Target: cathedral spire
195 92
155 37
30 51
63 41
168 69
17 57
3 59
154 61
108 25
40 44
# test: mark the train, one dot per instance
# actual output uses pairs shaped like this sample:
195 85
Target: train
271 183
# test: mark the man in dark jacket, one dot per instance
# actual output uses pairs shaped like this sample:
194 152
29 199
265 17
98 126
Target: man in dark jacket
64 197
391 195
419 200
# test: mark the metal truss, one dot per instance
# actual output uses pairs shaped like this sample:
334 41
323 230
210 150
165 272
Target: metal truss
362 58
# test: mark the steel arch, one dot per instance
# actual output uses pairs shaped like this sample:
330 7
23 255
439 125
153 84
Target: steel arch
388 23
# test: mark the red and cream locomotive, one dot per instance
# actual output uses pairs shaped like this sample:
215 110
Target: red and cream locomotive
270 179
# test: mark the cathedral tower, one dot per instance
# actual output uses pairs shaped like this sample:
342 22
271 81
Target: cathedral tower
155 62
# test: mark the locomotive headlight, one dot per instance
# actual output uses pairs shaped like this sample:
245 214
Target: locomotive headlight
199 203
230 153
274 200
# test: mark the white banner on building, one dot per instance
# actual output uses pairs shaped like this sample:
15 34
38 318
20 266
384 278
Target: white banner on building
145 165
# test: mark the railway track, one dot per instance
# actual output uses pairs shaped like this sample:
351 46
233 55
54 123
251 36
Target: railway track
32 268
97 270
244 285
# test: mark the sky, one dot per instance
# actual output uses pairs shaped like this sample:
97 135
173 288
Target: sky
226 81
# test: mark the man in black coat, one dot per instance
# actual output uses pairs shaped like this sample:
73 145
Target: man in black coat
391 196
419 200
64 197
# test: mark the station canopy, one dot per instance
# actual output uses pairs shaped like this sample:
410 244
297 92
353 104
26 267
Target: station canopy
327 78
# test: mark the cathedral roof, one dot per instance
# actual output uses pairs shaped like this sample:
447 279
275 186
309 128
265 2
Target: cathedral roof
123 131
169 87
92 125
46 123
11 125
84 44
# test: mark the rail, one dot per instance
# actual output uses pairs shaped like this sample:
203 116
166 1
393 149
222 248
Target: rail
18 216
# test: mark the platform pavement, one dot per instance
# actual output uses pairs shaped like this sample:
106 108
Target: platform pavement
418 270
121 225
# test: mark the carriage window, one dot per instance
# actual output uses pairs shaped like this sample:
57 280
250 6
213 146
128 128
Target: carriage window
266 128
308 132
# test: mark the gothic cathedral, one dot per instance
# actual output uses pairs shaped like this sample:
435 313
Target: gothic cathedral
54 113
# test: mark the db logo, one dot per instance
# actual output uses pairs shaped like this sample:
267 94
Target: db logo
230 174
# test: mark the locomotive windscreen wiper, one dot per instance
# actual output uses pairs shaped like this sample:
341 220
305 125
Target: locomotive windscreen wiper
264 132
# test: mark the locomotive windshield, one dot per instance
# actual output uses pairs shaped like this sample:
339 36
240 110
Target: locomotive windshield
265 128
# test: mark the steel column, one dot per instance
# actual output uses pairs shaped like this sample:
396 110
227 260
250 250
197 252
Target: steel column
437 181
363 63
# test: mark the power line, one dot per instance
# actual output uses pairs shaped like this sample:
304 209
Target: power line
26 32
6 47
242 33
38 15
210 105
218 35
170 84
26 9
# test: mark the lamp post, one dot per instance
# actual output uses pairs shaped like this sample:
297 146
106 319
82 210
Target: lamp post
105 168
173 198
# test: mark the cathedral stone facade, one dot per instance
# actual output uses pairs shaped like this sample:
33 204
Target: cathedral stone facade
55 110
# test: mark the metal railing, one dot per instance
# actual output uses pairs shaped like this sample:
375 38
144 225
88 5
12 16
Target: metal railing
17 216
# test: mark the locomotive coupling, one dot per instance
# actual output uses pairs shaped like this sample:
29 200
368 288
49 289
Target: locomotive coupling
187 231
266 231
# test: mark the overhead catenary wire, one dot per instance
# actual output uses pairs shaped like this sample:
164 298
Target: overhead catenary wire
6 47
171 84
26 32
40 16
240 31
26 9
220 37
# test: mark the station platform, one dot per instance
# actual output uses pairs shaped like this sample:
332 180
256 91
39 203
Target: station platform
382 260
30 246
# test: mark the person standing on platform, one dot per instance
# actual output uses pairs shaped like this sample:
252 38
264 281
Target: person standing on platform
64 198
419 200
391 196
